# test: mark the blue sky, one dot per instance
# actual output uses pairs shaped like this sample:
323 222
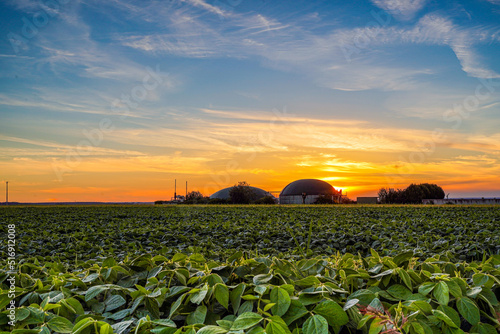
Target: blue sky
216 92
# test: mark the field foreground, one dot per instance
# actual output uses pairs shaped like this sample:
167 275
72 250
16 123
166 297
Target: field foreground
235 270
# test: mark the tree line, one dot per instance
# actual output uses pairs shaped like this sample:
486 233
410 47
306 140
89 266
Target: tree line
413 194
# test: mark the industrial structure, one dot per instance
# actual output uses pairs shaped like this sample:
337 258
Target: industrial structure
307 191
367 200
224 193
463 201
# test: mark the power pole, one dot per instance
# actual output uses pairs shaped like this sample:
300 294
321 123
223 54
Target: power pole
175 190
186 189
6 192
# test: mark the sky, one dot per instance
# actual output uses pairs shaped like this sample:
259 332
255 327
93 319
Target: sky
114 100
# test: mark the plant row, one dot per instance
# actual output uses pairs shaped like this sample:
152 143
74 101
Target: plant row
67 234
342 293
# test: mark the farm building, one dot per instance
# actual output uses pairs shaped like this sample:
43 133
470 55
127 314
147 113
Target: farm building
463 201
224 193
307 191
367 200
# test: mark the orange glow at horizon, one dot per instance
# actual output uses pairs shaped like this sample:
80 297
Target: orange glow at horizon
358 158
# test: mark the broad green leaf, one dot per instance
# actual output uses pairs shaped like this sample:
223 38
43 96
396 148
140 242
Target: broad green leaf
212 330
451 313
274 328
94 291
121 327
114 302
246 307
441 293
402 257
363 321
333 313
308 281
280 322
199 296
426 287
315 325
364 296
226 324
246 320
474 292
235 296
405 278
164 322
376 326
484 329
418 329
21 314
198 316
268 306
176 305
282 301
82 324
423 306
262 279
152 307
442 316
222 295
197 258
235 256
106 329
480 279
120 314
295 311
400 292
179 257
350 303
454 288
60 324
468 310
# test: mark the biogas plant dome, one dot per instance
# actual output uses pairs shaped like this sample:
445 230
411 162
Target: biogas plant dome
224 193
306 191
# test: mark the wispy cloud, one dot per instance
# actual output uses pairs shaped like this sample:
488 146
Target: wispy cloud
202 4
319 55
402 9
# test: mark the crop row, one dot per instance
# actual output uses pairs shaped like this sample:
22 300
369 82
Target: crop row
72 233
192 295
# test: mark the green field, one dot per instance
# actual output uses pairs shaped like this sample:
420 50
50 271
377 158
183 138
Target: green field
253 269
460 233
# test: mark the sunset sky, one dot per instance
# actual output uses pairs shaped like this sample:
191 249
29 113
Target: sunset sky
113 100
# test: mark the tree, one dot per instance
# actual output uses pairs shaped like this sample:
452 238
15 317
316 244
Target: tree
413 194
241 193
195 197
382 195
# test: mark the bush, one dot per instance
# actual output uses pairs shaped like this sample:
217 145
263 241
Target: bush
266 200
242 194
413 194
